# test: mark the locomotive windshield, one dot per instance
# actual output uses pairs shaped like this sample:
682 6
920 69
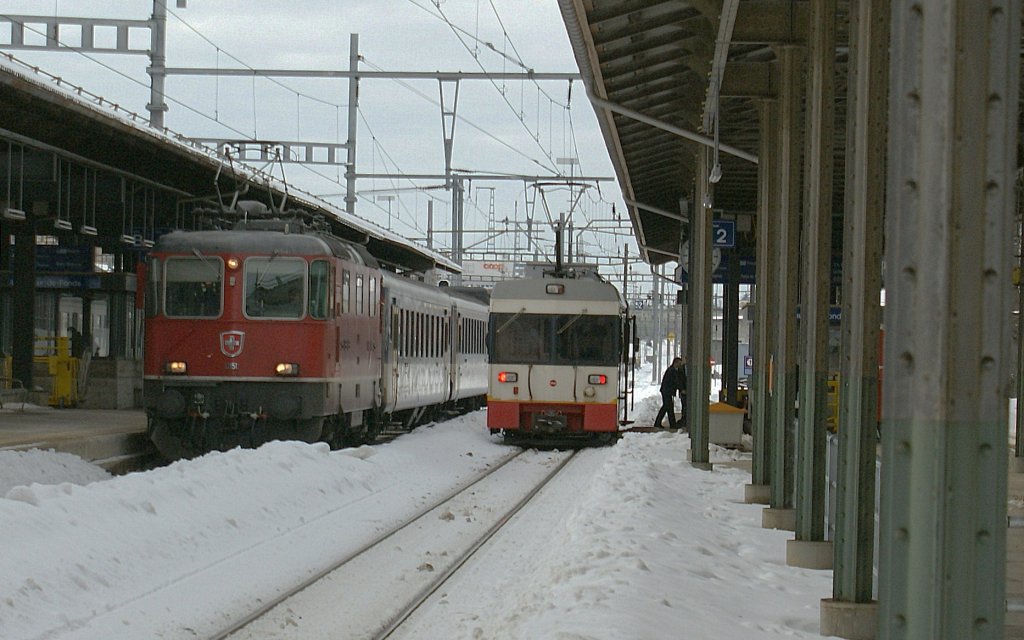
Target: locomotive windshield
193 287
275 287
569 339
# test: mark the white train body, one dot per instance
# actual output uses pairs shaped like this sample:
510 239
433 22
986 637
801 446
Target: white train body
434 346
555 357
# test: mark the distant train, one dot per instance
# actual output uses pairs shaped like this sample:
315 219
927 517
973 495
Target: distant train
557 351
276 329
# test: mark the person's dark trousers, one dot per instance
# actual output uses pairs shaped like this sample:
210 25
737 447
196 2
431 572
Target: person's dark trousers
667 408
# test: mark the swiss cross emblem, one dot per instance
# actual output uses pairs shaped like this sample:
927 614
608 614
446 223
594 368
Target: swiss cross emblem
231 343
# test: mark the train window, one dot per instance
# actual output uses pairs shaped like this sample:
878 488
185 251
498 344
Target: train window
153 278
346 292
192 287
360 301
275 287
403 333
374 302
590 340
319 288
520 338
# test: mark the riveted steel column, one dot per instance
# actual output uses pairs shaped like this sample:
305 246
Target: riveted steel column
862 280
157 69
784 299
816 282
949 227
1018 447
699 311
353 112
765 271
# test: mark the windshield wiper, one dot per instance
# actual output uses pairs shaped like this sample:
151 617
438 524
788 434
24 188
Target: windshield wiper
261 276
511 320
214 268
571 322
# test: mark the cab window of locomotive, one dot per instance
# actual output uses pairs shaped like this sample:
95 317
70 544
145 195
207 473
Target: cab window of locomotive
346 292
521 338
590 340
192 287
275 287
153 275
319 288
359 295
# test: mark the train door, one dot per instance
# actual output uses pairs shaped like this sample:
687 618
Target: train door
627 365
390 364
451 322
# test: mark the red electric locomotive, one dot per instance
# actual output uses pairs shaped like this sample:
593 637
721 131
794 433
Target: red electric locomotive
268 330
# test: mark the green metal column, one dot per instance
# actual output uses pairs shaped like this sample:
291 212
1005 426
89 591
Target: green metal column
765 272
949 223
867 96
784 299
698 347
816 281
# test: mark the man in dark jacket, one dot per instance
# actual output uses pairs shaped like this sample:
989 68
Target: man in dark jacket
670 385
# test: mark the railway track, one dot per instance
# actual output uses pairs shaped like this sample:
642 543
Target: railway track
374 590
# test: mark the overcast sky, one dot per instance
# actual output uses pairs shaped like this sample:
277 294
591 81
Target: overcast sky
525 127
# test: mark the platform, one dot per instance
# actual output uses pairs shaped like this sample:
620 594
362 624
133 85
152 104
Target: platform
113 439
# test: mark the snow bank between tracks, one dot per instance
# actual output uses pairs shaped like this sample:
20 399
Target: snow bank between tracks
77 555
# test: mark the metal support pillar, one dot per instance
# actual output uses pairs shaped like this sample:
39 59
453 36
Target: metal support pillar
157 69
656 308
949 223
760 381
430 223
698 373
816 283
353 109
784 298
23 299
867 107
731 328
1018 447
458 202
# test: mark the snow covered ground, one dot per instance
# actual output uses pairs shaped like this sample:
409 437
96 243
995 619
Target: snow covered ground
635 543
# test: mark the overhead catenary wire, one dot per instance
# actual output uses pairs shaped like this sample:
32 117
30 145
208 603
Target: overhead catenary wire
468 122
535 136
118 72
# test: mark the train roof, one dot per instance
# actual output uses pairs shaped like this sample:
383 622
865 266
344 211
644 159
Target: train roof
286 238
531 295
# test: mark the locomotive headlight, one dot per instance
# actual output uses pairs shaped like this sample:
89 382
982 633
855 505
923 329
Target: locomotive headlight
508 376
177 368
232 263
286 369
589 392
597 378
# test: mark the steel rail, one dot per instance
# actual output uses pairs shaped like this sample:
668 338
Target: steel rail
270 604
432 588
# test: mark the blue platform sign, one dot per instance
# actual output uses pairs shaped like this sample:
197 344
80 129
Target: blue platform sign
723 233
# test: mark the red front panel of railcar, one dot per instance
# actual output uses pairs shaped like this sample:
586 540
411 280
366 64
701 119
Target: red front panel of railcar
531 416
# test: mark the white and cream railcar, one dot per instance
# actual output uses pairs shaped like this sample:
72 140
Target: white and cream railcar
556 359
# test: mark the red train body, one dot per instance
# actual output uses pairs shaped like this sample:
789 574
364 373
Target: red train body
274 330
